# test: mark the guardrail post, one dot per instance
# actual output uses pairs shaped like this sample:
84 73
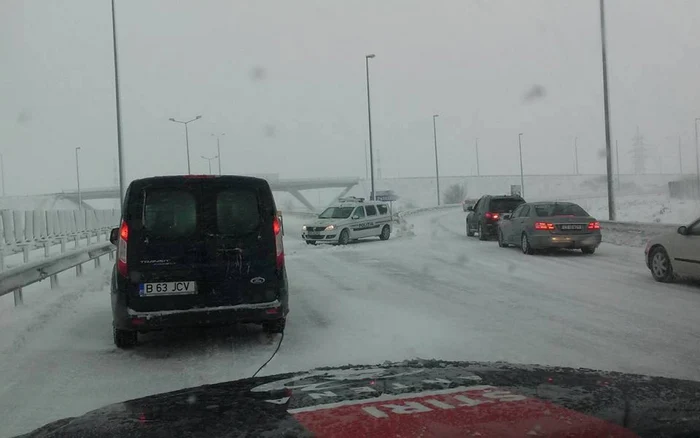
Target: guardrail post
19 300
77 240
88 236
63 245
111 255
54 281
46 249
79 270
25 253
97 262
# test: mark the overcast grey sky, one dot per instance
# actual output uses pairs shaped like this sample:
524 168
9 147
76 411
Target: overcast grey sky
285 80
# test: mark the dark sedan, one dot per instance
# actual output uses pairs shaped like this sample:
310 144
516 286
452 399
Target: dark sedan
548 225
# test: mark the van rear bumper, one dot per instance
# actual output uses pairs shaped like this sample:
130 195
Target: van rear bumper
201 316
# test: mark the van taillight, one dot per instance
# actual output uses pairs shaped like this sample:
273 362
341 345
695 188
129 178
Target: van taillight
594 225
279 245
121 249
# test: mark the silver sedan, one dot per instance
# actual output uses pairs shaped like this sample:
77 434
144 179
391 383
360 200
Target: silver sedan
546 225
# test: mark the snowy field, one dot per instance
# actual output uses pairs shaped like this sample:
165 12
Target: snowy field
437 294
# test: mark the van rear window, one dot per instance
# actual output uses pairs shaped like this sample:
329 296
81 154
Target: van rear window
169 213
237 211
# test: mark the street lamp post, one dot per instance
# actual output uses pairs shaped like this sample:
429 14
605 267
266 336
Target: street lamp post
187 137
617 163
209 160
117 95
606 109
218 149
680 156
576 153
2 174
369 119
77 175
478 170
697 155
522 177
437 167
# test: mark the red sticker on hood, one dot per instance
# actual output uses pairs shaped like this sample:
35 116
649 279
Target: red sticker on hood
473 411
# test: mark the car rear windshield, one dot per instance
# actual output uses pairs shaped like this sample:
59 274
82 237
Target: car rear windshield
336 213
169 213
548 210
237 211
504 204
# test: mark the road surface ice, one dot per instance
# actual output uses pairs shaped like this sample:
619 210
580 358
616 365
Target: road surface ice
437 294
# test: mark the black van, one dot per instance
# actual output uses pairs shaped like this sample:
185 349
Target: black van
198 250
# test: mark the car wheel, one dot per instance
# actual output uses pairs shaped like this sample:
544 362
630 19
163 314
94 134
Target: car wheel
588 249
501 242
275 326
344 237
311 242
661 268
470 232
386 233
525 245
124 338
481 232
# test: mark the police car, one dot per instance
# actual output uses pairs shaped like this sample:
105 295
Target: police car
349 219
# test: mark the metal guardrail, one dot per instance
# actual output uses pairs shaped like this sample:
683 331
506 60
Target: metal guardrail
13 280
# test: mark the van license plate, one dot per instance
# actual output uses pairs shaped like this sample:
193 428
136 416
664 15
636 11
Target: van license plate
169 288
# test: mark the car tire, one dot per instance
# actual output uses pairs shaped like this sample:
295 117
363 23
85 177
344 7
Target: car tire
124 338
588 249
386 233
501 242
482 236
274 326
311 242
470 232
660 265
525 245
344 237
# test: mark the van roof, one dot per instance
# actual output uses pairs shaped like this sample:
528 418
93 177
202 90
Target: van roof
179 179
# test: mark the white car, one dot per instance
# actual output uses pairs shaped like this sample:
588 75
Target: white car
349 219
675 254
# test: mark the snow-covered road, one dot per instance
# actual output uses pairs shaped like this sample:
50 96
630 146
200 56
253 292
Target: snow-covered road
438 294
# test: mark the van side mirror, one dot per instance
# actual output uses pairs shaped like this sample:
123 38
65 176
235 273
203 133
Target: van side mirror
683 230
114 235
356 217
470 208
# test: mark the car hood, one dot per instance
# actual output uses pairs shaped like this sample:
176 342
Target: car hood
323 222
416 398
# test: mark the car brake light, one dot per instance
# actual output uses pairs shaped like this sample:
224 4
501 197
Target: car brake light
490 215
547 226
594 225
121 249
279 245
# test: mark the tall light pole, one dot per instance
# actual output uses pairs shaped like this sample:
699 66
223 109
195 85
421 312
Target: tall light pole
2 174
437 167
366 163
77 175
617 163
697 155
522 176
117 96
369 118
478 170
218 149
576 153
606 106
680 156
187 137
209 159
